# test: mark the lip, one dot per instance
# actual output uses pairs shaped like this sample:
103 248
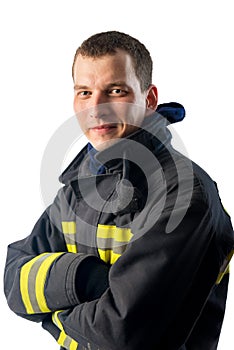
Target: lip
103 128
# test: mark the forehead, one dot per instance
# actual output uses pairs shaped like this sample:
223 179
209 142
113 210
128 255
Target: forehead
116 66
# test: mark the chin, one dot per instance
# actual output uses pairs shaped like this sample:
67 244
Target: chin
100 146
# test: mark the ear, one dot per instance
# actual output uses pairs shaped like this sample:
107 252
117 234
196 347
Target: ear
152 98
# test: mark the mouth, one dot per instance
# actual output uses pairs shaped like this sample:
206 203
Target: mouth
104 127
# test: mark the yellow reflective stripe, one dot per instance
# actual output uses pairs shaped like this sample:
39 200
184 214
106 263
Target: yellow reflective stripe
222 274
72 248
40 281
108 256
69 231
32 281
226 268
56 320
24 274
64 340
118 233
73 345
112 242
69 227
106 231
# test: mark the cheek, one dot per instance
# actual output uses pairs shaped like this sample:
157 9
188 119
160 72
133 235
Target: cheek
76 105
82 121
81 113
81 117
133 116
79 104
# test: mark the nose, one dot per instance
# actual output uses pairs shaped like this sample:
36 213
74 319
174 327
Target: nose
98 105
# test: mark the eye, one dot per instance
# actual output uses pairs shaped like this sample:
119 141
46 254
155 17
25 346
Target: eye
83 94
118 92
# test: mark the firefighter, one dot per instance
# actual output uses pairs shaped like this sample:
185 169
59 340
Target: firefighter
133 253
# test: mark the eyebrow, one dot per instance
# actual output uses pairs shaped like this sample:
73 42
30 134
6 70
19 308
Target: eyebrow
85 87
117 83
80 87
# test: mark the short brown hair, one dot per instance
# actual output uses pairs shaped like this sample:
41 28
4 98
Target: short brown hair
108 42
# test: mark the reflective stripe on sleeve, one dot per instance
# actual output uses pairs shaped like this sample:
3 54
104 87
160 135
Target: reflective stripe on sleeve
63 340
225 269
32 282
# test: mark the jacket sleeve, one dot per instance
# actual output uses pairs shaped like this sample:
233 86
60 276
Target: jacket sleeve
206 332
154 281
41 276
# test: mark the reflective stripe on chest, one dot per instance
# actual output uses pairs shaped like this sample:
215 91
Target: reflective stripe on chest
111 240
69 231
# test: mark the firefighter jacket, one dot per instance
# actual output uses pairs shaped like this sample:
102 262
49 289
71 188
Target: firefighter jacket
132 254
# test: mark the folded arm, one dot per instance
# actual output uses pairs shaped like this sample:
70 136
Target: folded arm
42 277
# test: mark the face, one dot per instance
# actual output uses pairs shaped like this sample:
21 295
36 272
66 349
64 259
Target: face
108 100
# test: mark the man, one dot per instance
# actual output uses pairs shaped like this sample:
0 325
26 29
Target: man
134 251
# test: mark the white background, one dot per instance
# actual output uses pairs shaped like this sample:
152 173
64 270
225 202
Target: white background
191 43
